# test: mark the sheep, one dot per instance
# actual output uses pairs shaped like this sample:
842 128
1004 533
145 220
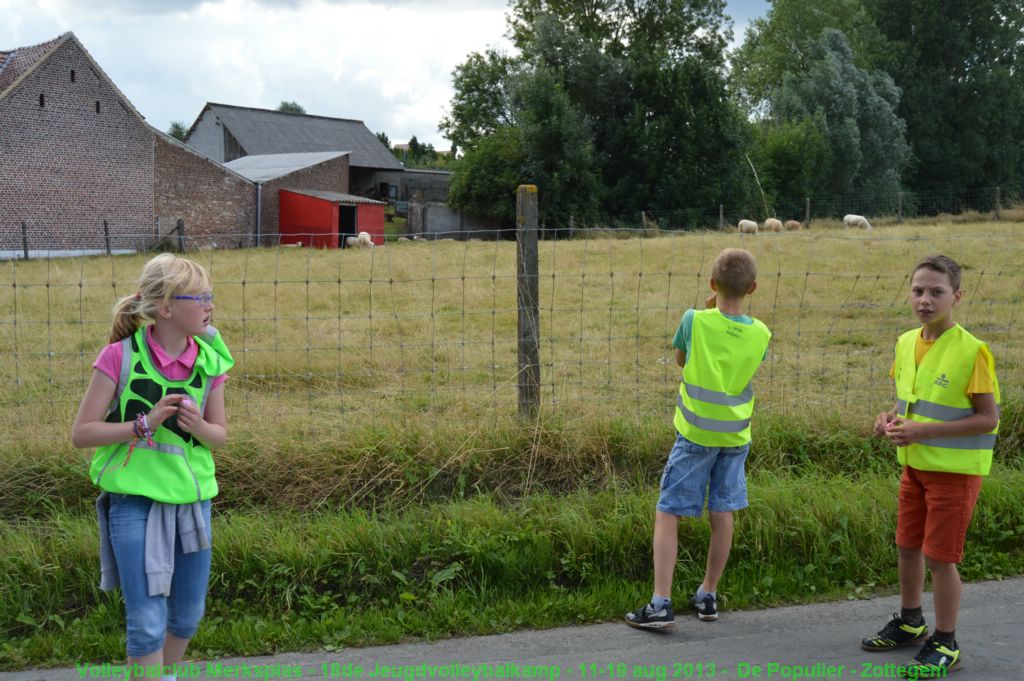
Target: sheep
856 221
365 241
747 227
772 225
351 242
791 225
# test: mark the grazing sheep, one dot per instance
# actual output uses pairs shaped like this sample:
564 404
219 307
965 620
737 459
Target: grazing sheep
365 241
791 225
772 225
856 221
351 242
747 227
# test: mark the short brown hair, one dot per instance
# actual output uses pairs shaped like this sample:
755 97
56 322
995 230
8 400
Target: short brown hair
734 271
943 265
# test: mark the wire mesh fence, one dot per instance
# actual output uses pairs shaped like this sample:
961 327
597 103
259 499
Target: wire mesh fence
427 329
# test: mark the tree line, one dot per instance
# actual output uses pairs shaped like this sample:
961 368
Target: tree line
612 107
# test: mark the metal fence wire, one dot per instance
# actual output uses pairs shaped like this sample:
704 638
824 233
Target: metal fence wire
429 328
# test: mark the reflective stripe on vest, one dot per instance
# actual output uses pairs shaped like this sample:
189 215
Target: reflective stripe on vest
934 410
717 397
714 425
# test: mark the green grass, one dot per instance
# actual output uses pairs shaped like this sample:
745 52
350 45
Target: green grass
285 581
329 465
378 485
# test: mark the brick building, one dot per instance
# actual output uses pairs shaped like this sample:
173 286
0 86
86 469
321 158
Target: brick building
217 204
73 152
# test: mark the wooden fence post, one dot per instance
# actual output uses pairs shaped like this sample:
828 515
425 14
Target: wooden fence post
528 294
180 226
24 238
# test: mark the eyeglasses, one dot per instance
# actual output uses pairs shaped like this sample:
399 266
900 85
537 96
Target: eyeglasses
201 300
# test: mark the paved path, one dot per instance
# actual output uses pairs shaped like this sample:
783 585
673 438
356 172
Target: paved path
810 641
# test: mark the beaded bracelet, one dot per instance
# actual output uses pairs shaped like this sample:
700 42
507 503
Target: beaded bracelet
140 429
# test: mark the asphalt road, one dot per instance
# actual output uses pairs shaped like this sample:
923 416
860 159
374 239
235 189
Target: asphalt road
810 641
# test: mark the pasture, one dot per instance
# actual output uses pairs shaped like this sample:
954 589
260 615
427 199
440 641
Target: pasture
378 485
352 364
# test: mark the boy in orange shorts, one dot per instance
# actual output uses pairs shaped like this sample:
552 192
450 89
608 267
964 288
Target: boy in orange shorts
944 426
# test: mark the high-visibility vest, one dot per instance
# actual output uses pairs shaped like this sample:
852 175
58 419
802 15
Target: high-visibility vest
936 391
176 468
715 401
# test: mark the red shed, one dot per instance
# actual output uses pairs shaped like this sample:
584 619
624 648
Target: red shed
324 219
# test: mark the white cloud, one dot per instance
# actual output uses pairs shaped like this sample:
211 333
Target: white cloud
386 63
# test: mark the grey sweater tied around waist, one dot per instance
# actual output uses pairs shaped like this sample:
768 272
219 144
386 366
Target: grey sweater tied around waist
164 523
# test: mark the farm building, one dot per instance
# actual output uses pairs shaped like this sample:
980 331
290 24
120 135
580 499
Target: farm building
226 133
80 168
294 193
74 152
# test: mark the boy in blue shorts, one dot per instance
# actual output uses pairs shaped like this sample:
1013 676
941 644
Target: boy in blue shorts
720 349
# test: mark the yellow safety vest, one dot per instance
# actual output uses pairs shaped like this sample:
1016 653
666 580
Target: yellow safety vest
177 468
716 401
936 391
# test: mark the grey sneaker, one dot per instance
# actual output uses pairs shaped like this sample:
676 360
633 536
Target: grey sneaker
645 617
705 608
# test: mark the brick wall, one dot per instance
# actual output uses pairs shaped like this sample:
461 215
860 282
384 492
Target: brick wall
329 176
64 168
217 205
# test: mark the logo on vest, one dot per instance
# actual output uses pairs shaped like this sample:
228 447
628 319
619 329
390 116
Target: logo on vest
942 381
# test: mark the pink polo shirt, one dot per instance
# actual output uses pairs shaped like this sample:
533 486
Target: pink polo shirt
177 368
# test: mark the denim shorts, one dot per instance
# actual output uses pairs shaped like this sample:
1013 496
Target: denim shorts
150 617
694 470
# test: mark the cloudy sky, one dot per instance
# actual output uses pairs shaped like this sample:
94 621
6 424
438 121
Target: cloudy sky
387 63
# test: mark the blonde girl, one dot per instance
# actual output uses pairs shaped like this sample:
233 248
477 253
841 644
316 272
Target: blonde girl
154 410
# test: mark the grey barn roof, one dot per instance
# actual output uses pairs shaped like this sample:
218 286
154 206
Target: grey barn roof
266 167
336 197
261 131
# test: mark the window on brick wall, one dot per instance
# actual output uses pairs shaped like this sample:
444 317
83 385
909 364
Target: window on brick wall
72 75
97 106
42 100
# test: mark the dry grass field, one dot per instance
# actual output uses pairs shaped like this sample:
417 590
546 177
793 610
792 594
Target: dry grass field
430 327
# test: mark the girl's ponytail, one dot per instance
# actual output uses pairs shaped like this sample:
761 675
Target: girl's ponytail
128 317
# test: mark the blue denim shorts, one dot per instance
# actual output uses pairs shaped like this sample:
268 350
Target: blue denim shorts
150 617
694 470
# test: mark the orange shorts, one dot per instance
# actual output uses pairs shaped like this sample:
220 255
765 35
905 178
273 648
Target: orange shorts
934 511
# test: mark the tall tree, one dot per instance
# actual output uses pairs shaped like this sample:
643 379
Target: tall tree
855 111
290 107
383 138
639 84
781 42
961 67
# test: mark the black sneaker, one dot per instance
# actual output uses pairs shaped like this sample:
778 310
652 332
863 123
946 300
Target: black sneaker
705 608
896 634
933 661
645 617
